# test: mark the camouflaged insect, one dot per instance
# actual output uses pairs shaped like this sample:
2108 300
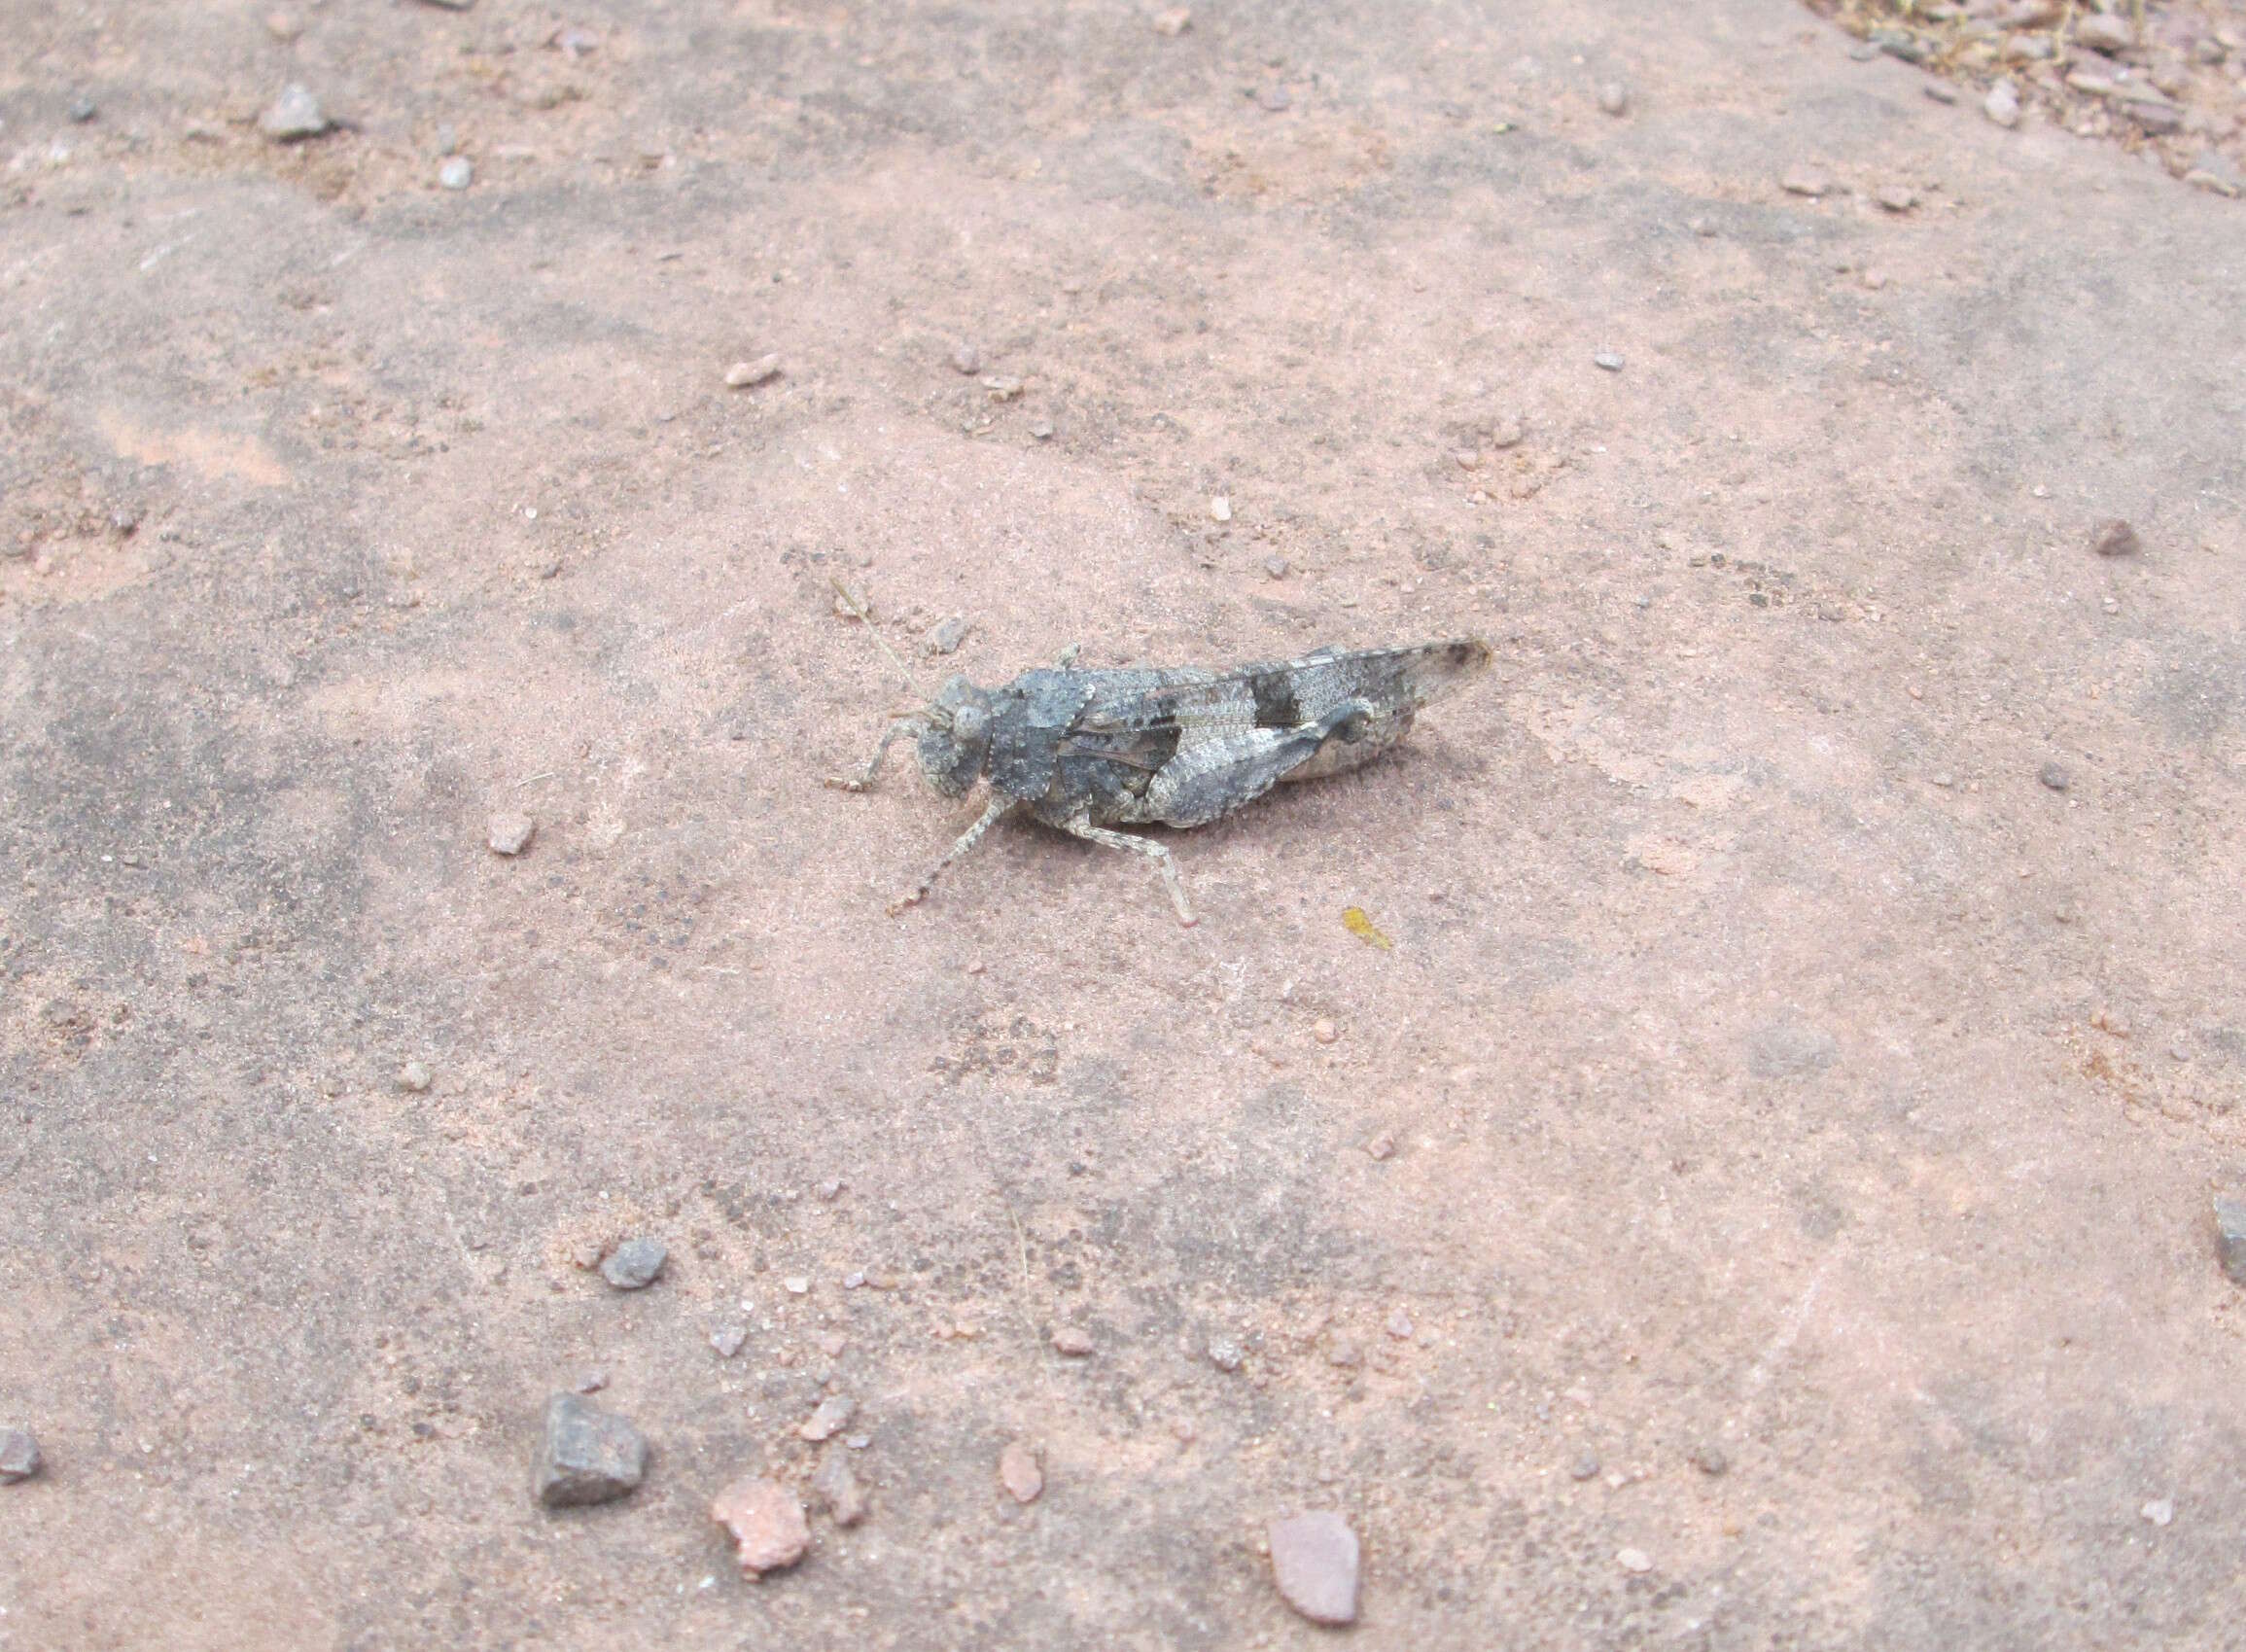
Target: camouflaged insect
1085 751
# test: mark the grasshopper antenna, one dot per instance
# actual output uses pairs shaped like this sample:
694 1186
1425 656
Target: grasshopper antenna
858 611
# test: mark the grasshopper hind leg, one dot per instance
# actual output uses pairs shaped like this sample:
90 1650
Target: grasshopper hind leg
1080 825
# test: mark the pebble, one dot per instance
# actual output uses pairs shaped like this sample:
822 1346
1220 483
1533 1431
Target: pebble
284 25
1002 387
1278 567
966 359
456 173
2115 538
2102 32
1790 1049
1874 279
588 1456
295 114
796 1284
832 1415
1173 22
1275 99
19 1457
729 1339
81 109
835 1485
945 636
1042 430
2054 776
2159 1511
415 1076
1399 1324
1507 433
1324 1031
1020 1472
591 1382
1608 360
2211 172
1220 508
1896 198
634 1264
510 835
2230 1235
1633 1559
1314 1560
1942 91
1225 1355
766 1522
1073 1341
1710 1459
1806 181
743 376
2002 105
1614 98
1381 1147
1584 1467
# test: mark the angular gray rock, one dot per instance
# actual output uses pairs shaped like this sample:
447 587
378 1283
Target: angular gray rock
19 1457
2230 1235
634 1264
295 114
588 1456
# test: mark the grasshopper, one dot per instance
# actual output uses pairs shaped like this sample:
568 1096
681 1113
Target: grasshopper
1087 750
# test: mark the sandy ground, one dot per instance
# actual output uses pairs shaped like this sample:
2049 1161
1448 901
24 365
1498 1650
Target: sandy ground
1770 1071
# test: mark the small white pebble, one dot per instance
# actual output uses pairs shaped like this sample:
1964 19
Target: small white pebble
1220 508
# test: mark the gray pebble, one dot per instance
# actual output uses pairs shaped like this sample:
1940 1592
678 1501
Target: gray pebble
634 1264
19 1457
81 109
966 359
945 635
1042 430
745 375
456 173
295 114
835 1485
1709 1458
510 835
447 140
588 1456
1584 1467
2230 1235
1274 98
2101 31
1224 1353
415 1076
1607 360
1277 567
832 1415
1790 1049
1942 91
2054 776
729 1339
1314 1559
2115 538
1614 98
2002 104
1901 44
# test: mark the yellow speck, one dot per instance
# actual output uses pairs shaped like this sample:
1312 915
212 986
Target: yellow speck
1354 921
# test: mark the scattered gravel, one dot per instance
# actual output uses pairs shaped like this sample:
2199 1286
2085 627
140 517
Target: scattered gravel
19 1457
766 1522
1020 1472
744 375
510 835
1314 1560
2115 538
295 114
588 1456
634 1264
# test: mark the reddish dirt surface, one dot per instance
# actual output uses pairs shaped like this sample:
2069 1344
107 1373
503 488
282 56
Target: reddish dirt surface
1773 1063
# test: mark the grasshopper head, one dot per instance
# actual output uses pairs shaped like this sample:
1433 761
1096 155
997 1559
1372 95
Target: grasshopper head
955 737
